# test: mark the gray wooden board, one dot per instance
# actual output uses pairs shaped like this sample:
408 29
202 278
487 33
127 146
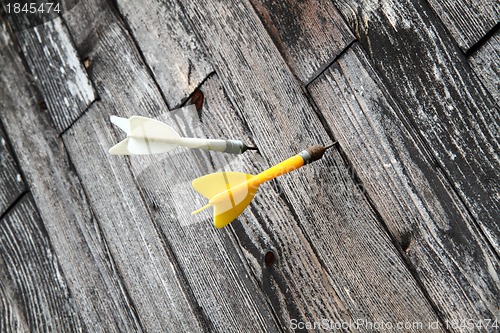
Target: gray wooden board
439 94
228 280
85 261
33 271
82 21
333 214
58 71
170 48
468 21
309 34
11 314
11 181
441 241
486 63
212 298
211 261
151 276
226 294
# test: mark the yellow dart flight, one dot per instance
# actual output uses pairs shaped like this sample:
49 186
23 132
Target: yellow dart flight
231 192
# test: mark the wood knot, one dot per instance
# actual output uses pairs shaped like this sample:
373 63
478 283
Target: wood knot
269 258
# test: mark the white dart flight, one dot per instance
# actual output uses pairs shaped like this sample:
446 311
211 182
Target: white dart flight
150 136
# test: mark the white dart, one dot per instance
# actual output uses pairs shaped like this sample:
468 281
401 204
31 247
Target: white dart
150 136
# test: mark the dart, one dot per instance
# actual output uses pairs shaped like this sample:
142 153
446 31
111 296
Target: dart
150 136
231 192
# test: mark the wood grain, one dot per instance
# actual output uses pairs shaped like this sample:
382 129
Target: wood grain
486 63
82 21
467 21
440 239
33 271
309 34
439 94
224 292
58 72
151 275
11 316
177 60
223 289
91 274
333 213
11 182
222 272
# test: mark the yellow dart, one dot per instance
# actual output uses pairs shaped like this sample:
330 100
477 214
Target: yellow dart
231 192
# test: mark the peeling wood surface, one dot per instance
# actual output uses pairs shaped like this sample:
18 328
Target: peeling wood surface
422 213
439 94
10 312
467 21
58 72
384 228
486 63
309 34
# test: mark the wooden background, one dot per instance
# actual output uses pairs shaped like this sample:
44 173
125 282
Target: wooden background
398 224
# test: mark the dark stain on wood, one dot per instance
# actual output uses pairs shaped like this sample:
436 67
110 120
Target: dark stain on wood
197 99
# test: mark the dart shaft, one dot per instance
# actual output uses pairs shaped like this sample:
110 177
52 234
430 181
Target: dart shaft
307 156
279 169
207 144
225 146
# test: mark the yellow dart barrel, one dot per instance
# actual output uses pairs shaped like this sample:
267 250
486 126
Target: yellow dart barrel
279 169
307 156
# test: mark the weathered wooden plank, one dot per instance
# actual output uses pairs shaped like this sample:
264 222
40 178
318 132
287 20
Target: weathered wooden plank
467 21
440 239
309 34
33 270
163 299
486 63
225 292
58 72
82 21
439 94
350 242
11 181
11 316
212 259
150 274
170 48
92 277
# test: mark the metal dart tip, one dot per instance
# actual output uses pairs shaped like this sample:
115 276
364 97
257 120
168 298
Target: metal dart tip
331 145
